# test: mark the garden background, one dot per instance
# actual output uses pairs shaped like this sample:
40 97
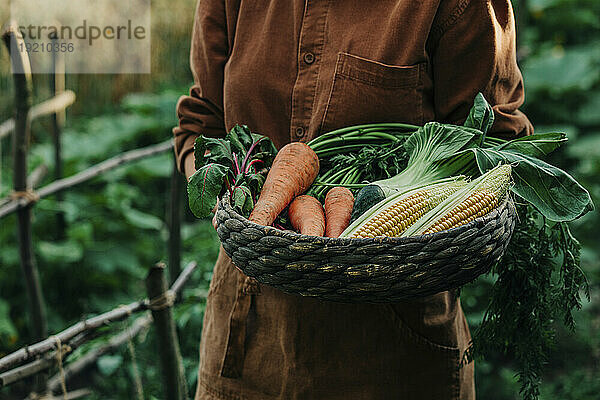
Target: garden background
116 224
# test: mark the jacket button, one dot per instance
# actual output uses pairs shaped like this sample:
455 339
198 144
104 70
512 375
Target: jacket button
299 132
309 58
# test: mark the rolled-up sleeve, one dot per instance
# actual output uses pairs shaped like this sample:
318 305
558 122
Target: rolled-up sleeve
474 50
201 113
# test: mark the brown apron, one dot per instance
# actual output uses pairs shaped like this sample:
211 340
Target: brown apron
260 343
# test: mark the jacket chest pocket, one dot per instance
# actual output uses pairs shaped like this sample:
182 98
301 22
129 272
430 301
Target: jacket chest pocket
366 91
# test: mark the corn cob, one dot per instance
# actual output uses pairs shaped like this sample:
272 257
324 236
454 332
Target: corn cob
475 200
393 215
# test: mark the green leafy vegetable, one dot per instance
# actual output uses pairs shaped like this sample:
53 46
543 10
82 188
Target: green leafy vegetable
538 145
551 190
481 116
428 149
231 164
204 187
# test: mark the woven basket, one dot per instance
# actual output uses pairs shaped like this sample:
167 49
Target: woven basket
376 270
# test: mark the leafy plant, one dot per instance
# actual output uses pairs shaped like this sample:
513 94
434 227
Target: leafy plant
231 164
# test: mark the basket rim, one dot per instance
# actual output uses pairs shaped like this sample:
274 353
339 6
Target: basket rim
297 237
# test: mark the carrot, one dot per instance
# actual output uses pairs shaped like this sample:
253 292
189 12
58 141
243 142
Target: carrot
293 171
306 215
338 209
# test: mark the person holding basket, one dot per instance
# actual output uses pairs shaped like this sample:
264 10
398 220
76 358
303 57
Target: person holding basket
293 70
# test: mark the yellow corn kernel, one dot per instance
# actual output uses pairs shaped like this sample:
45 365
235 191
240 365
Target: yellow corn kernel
487 201
395 218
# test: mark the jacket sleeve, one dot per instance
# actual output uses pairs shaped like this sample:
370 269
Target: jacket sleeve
201 113
474 50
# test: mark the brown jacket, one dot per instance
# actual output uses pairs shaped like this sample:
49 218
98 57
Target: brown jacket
292 70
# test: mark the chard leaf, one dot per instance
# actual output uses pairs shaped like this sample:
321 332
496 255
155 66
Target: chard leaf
481 116
255 182
240 138
265 149
242 200
552 191
436 141
204 187
538 145
220 151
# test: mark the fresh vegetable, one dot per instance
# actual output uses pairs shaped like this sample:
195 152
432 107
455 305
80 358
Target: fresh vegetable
474 200
229 165
437 151
538 280
344 164
306 216
538 285
366 198
293 171
393 215
338 209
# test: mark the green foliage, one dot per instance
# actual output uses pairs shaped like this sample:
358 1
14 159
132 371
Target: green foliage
481 115
551 190
529 295
230 164
116 229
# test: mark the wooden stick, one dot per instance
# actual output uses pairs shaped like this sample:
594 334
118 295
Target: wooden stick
22 78
28 352
92 356
118 314
36 176
57 86
183 277
168 345
83 176
33 181
42 364
53 105
174 219
25 371
72 395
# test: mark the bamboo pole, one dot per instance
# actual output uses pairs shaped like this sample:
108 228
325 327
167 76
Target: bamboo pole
166 335
22 78
33 180
57 86
83 176
174 218
36 176
90 358
29 352
43 363
47 107
117 314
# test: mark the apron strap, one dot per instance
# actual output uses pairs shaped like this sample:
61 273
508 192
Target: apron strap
233 361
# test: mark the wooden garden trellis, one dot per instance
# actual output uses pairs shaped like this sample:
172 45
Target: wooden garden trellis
53 350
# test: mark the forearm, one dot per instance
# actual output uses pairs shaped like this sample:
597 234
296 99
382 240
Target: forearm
476 52
201 111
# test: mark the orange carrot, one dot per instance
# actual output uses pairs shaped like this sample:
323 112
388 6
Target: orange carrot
306 215
293 171
338 209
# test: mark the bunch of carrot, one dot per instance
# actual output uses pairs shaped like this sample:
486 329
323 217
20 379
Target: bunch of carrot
293 171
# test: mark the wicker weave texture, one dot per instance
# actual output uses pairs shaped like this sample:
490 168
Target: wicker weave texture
376 270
